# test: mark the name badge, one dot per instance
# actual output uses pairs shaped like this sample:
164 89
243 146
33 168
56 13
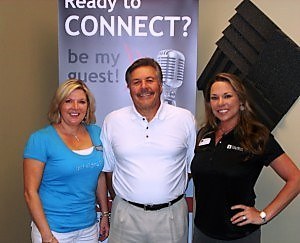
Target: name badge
204 141
99 147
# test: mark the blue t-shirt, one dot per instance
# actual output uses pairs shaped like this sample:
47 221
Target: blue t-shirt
69 182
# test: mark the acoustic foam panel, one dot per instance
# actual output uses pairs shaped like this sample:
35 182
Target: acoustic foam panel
256 50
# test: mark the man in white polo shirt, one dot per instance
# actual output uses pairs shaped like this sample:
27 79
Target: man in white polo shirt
148 148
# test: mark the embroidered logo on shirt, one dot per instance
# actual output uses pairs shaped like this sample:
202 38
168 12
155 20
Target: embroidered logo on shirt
229 146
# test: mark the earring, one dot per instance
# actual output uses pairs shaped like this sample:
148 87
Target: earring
242 107
86 115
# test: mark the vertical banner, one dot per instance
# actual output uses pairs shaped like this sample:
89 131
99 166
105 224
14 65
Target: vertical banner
99 39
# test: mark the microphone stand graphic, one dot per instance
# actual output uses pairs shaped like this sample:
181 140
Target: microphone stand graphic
172 66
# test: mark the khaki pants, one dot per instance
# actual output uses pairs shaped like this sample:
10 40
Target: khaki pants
131 224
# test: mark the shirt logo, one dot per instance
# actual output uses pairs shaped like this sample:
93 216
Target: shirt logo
229 146
89 165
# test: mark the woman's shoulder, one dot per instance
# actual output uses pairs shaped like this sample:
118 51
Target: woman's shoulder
41 139
205 130
93 128
42 132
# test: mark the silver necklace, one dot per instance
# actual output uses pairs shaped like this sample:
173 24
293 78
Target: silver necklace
74 135
226 131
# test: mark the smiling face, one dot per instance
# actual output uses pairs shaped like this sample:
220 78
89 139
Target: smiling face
145 90
225 103
73 109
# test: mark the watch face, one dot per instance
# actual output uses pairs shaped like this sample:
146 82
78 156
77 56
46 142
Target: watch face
262 214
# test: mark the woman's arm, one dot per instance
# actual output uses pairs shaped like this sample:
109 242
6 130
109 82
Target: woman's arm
32 175
109 185
102 200
289 172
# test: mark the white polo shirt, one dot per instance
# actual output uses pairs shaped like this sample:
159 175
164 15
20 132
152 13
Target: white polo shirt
149 160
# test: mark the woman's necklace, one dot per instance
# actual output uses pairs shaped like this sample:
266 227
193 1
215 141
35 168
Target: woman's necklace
225 131
77 138
71 134
221 132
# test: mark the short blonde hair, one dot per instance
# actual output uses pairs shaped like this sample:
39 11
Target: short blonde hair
63 91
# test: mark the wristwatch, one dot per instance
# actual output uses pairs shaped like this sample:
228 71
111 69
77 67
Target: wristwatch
263 216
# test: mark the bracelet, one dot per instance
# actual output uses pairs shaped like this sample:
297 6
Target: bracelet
105 214
49 240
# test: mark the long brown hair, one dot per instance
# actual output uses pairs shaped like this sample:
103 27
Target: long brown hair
249 130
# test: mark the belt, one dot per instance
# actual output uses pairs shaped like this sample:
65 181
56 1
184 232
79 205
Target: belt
154 207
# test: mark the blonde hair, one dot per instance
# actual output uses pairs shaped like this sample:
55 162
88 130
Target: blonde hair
63 91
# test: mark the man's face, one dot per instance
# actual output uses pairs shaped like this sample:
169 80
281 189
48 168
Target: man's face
145 89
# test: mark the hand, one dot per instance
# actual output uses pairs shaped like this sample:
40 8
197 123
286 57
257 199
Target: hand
248 215
52 240
55 240
104 228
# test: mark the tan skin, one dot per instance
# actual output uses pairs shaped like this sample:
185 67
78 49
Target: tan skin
73 111
225 106
145 90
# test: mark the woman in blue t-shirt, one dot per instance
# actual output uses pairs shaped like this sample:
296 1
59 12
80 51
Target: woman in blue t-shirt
63 178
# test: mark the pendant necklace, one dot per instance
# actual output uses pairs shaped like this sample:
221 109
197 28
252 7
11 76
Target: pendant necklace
226 131
74 135
223 132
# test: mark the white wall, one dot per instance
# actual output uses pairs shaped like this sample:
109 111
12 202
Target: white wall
213 19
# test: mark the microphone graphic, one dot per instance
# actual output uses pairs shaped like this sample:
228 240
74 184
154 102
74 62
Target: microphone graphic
172 66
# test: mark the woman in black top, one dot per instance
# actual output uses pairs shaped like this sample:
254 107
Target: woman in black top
231 150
